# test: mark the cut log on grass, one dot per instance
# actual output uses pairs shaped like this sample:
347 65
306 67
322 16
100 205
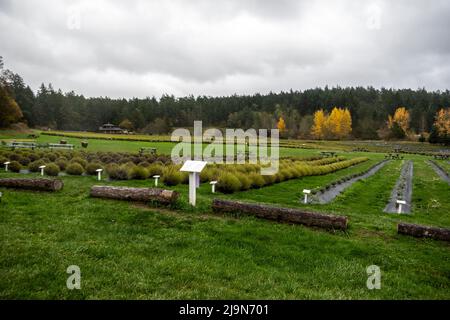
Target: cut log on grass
134 194
282 214
32 184
419 231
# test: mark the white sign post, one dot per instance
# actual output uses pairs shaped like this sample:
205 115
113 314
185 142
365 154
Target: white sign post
6 165
194 168
400 203
99 174
156 177
42 170
306 192
213 186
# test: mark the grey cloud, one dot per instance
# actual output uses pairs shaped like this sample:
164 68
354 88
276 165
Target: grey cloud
223 47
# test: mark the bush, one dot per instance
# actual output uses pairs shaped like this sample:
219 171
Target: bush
74 168
3 160
14 156
171 176
206 175
52 156
184 177
244 180
15 166
155 169
144 164
34 166
228 183
137 172
33 157
117 172
269 179
62 163
80 161
92 167
52 169
24 161
256 180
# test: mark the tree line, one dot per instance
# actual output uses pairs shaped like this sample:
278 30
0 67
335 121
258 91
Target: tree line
368 108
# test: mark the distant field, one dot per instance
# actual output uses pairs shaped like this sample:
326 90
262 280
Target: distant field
132 143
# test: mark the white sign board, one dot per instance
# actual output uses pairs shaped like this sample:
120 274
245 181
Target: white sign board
193 166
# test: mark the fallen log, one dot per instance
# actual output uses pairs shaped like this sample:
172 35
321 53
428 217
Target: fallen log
32 184
282 214
134 194
419 231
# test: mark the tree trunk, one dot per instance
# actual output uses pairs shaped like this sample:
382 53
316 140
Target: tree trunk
419 231
33 184
282 214
134 194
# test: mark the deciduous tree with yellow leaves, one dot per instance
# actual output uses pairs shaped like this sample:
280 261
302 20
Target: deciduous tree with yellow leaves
281 125
318 128
442 121
337 125
401 118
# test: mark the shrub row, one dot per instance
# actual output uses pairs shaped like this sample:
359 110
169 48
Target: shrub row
230 181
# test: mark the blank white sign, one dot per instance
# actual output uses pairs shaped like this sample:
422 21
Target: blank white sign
193 166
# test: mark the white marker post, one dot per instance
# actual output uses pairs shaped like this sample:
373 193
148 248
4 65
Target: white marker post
156 177
400 203
306 192
194 168
6 165
213 186
42 170
99 174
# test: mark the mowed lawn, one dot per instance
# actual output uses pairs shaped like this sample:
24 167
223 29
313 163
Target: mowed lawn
137 251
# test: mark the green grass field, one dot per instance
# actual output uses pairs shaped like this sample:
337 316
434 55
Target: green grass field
138 251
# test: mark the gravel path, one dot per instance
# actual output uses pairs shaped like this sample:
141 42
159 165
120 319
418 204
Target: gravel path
402 190
333 192
441 173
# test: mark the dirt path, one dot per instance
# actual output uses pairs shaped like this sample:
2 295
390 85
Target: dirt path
441 173
402 190
333 192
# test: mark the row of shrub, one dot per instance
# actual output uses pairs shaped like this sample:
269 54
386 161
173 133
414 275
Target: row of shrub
25 157
232 180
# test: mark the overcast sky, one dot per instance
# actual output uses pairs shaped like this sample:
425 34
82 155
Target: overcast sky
217 47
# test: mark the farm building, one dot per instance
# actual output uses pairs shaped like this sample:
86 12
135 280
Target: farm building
110 128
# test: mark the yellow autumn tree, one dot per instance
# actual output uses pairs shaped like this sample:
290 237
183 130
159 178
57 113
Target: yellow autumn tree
281 125
318 128
401 117
346 123
338 124
333 124
442 121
